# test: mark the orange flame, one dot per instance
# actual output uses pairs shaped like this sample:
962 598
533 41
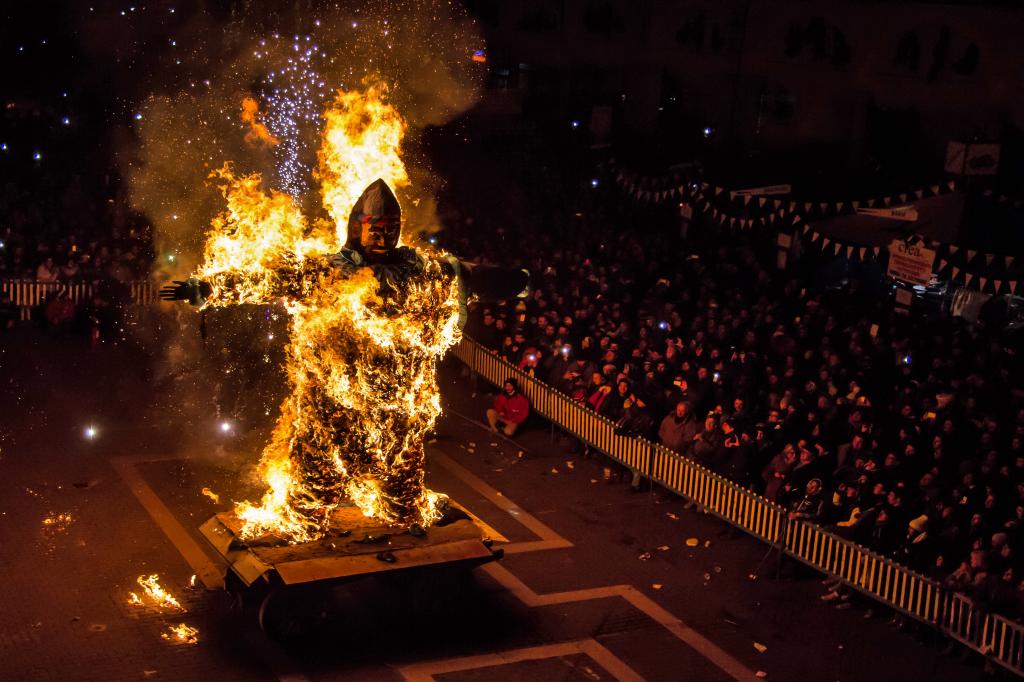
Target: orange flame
153 594
181 634
361 360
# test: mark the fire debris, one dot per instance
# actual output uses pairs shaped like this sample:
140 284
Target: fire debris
212 495
57 524
181 634
154 595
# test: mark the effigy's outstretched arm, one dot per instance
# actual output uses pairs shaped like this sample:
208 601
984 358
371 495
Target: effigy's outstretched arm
258 250
486 282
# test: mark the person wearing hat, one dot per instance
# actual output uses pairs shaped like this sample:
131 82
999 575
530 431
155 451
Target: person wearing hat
510 409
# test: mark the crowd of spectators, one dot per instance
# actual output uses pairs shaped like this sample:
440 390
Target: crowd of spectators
72 238
902 433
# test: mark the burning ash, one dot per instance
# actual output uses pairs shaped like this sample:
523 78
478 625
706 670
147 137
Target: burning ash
181 634
212 495
55 524
154 595
361 357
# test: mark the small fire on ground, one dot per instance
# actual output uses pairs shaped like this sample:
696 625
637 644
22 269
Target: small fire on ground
181 634
154 595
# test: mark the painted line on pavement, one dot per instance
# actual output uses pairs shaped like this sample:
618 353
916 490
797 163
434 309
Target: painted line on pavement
425 672
639 601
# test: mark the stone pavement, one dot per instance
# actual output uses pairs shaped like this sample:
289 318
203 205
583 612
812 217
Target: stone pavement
576 598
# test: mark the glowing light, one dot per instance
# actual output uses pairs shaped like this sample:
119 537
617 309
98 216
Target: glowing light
138 117
3 146
594 182
90 432
37 156
574 123
225 427
708 131
66 121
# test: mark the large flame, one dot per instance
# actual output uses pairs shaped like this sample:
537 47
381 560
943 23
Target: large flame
362 142
361 358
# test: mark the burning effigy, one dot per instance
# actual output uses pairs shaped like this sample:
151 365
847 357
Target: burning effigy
369 320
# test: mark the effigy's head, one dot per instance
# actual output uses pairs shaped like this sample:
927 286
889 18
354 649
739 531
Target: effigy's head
375 222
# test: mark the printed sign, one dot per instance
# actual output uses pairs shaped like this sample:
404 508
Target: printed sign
911 263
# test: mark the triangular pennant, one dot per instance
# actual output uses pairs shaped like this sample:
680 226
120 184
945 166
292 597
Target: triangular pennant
836 249
781 213
956 273
981 285
815 236
987 193
997 284
807 206
792 206
942 264
953 248
718 190
1013 286
732 222
971 253
919 193
806 227
886 200
988 258
732 195
855 204
1009 261
746 199
951 185
934 189
968 277
776 203
839 206
771 218
824 206
761 201
871 203
863 250
721 219
825 242
903 198
877 250
704 185
849 251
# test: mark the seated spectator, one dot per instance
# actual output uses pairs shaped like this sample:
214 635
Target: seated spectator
510 409
47 271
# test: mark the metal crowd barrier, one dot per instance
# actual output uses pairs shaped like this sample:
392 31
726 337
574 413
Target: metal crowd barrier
885 580
30 294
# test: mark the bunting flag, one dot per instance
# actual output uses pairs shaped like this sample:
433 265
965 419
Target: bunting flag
863 250
1013 286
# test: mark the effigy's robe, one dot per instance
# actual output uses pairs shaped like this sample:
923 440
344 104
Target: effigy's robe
365 339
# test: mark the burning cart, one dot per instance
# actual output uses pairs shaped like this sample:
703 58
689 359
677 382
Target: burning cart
283 579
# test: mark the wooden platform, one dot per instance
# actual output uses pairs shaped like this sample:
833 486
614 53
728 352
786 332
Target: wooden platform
355 546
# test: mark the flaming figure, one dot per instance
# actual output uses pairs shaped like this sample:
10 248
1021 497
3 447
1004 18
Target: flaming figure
368 322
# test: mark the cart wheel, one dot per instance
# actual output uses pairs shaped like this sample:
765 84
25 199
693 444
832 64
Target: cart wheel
285 615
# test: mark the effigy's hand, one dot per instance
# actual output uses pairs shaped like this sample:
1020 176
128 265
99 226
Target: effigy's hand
192 290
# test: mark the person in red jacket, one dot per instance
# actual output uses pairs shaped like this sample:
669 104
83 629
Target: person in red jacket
510 409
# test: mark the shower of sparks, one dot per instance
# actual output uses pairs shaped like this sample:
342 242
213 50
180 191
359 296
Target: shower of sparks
212 495
294 95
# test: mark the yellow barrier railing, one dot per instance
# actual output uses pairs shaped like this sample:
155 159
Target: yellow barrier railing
879 577
29 294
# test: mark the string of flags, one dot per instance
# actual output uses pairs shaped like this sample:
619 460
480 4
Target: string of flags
771 206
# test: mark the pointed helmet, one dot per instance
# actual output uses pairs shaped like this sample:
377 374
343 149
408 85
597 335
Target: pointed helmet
375 222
